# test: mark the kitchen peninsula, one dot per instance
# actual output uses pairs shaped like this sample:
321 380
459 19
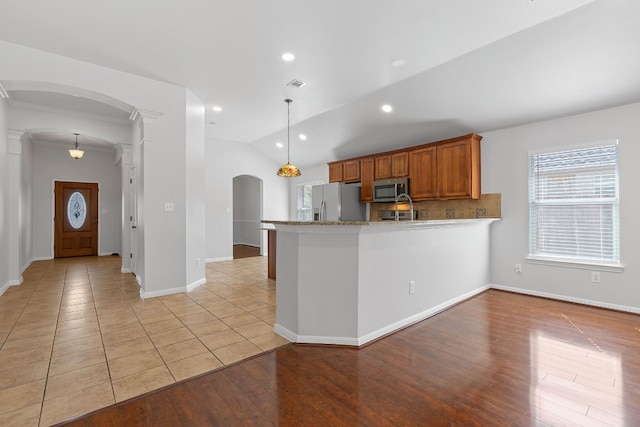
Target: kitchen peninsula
348 283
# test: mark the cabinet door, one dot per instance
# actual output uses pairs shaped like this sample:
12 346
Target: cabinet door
351 171
423 170
335 172
366 175
400 165
383 167
459 169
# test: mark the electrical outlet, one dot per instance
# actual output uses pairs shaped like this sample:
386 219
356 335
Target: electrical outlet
412 287
595 277
518 269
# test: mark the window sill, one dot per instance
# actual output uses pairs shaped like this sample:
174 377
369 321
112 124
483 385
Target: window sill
583 265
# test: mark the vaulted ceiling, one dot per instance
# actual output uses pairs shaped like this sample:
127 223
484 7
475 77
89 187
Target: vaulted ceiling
465 65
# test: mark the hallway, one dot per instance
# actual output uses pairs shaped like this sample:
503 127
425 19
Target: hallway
75 336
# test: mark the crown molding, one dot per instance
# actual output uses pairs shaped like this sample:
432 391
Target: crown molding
147 116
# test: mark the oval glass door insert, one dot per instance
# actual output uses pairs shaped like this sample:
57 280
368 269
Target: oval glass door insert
76 210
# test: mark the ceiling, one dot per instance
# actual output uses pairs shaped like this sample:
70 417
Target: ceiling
470 66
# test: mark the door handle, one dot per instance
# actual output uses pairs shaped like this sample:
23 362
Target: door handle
134 226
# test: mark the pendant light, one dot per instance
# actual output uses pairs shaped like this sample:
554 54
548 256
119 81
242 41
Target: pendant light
76 153
288 170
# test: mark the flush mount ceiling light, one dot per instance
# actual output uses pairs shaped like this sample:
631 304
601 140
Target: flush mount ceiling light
76 153
216 108
302 136
279 144
288 56
288 170
399 63
387 108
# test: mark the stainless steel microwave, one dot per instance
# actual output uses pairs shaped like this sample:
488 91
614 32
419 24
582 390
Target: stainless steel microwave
387 190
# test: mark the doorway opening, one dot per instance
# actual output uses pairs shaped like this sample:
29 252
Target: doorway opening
248 239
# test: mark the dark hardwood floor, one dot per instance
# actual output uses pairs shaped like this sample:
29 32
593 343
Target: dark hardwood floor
245 251
498 359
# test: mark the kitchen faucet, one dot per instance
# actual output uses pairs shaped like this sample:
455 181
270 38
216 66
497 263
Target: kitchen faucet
406 196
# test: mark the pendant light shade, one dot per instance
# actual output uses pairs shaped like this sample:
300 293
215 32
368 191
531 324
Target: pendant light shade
288 170
76 153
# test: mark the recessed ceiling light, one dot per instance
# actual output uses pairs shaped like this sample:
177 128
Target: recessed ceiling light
302 136
279 144
387 108
216 108
399 63
288 56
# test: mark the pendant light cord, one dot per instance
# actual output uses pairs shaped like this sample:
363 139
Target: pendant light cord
288 101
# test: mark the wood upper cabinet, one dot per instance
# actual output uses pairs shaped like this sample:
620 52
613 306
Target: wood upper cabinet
351 171
448 169
394 165
366 174
459 169
336 172
423 174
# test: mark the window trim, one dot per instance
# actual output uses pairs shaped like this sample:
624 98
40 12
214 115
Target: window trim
559 261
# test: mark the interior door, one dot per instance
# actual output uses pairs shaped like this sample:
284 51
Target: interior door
76 219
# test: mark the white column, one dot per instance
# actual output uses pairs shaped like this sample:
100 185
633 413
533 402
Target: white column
125 159
14 160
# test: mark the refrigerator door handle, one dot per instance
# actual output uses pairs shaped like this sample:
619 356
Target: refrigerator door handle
323 211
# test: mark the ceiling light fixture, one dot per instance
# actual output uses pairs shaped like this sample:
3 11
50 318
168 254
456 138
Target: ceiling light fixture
76 153
288 170
288 56
216 108
387 108
302 136
279 144
399 63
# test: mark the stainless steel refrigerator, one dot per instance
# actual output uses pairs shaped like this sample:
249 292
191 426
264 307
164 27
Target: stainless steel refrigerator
337 202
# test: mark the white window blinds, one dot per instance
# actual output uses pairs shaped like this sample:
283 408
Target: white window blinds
573 205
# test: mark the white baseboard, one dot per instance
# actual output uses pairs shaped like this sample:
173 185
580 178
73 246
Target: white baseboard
247 244
151 294
25 267
42 258
567 298
359 341
4 288
195 284
125 270
228 258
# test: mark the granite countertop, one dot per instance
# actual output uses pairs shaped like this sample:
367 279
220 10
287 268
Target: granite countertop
385 223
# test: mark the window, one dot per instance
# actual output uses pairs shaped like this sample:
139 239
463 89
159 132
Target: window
573 205
305 207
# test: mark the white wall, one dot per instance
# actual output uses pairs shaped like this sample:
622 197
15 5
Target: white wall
4 190
194 190
504 170
225 160
51 162
247 212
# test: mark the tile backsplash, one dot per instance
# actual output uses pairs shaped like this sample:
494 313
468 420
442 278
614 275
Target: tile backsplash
487 206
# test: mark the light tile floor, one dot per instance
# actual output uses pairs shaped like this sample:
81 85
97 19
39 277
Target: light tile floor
75 335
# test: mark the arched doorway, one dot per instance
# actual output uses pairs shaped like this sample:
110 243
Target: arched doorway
248 239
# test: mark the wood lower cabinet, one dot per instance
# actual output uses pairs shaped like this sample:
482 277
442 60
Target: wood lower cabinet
423 174
336 172
366 182
394 165
459 169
